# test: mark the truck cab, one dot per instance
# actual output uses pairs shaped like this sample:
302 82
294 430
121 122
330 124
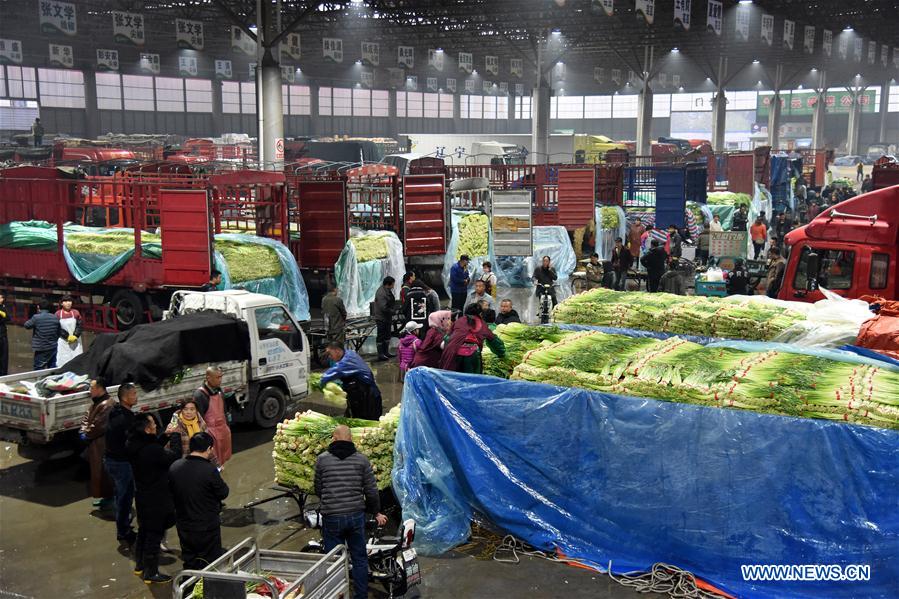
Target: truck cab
497 153
851 249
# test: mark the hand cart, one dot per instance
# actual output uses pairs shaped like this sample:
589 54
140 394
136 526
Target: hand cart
307 575
283 491
358 330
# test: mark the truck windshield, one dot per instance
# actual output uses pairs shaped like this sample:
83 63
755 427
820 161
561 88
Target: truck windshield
835 268
275 323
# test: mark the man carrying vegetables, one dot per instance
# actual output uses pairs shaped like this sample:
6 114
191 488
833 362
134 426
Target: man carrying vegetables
363 398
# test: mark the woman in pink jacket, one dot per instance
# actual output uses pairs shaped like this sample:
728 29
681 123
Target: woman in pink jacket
409 344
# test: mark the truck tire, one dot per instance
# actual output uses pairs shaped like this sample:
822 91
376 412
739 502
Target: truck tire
129 309
269 407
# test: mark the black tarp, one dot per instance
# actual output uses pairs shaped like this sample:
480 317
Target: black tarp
149 354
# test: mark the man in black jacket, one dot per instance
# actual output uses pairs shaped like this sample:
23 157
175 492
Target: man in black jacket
151 458
121 418
45 337
345 484
198 491
654 261
382 311
507 313
622 260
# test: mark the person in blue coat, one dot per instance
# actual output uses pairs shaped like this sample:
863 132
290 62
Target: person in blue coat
363 398
459 279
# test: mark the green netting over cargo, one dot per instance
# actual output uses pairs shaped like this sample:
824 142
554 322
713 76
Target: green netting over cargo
94 254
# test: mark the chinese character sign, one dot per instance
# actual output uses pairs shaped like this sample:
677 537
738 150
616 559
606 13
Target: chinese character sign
368 78
648 9
288 74
187 66
789 33
107 60
332 48
488 86
827 42
466 62
872 52
663 79
884 54
599 74
896 57
675 80
857 49
682 10
252 71
503 87
397 77
405 57
608 6
451 85
371 53
61 56
616 76
432 84
223 69
290 47
469 86
714 19
242 42
189 34
57 17
435 59
412 82
491 65
516 67
767 27
742 23
149 63
844 46
128 28
809 42
519 89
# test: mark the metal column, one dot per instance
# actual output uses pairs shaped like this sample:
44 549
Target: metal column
819 111
644 107
855 113
884 107
774 111
719 108
540 103
269 110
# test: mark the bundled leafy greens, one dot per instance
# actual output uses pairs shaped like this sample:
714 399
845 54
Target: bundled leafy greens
300 440
609 217
370 247
728 198
687 315
474 231
518 339
247 261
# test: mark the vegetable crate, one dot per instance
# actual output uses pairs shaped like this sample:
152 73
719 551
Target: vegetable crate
711 288
246 568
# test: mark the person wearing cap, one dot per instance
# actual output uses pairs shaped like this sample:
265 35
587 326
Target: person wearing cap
459 279
409 344
70 325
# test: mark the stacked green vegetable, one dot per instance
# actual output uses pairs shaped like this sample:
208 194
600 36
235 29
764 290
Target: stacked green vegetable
677 370
370 247
299 441
686 315
843 182
728 198
608 217
518 339
108 243
249 261
474 231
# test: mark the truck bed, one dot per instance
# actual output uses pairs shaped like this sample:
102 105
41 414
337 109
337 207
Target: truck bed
38 419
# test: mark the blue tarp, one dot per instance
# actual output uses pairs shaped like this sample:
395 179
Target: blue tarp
630 482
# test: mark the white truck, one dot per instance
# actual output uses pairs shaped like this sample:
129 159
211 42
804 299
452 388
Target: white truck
275 377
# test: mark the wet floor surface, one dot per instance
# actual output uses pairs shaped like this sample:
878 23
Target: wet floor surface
54 543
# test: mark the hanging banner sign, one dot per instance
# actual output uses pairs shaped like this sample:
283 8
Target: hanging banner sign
519 89
663 79
827 42
742 24
187 66
714 18
128 28
252 71
368 78
405 57
809 43
648 9
107 60
491 64
57 17
149 63
803 103
290 47
789 33
488 87
397 77
503 87
332 48
435 59
884 54
242 42
608 6
516 67
412 82
896 57
466 62
432 84
189 34
288 73
631 77
371 53
767 28
682 10
61 56
858 49
451 85
675 80
599 74
469 86
616 76
223 69
872 52
844 46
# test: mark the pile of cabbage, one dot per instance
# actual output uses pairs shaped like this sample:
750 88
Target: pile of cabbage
474 232
728 198
608 217
300 440
370 247
687 315
677 370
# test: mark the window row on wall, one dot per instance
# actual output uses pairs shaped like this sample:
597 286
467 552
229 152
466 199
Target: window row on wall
418 105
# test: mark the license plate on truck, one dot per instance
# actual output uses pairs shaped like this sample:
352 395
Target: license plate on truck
20 411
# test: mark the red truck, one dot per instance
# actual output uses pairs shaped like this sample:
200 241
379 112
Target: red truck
851 249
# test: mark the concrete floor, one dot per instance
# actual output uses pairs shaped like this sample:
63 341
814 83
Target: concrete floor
54 543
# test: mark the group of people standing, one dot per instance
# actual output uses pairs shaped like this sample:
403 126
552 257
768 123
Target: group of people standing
172 476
